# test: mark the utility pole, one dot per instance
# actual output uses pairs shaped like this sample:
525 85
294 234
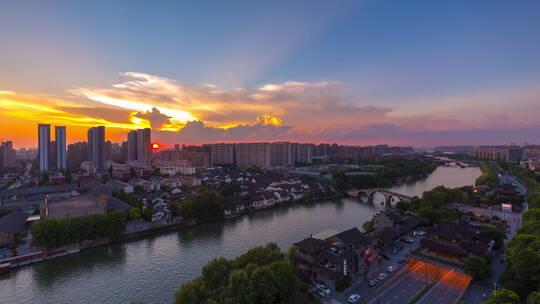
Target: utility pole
425 271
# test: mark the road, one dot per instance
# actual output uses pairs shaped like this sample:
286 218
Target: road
406 288
362 288
448 290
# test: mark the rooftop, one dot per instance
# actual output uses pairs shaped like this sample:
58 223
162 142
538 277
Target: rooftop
77 203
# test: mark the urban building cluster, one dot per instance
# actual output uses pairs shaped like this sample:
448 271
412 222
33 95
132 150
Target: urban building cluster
93 155
511 153
7 154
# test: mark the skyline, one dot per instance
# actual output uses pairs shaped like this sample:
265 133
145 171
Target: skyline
415 73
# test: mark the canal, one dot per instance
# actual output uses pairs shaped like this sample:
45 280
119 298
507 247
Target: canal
151 269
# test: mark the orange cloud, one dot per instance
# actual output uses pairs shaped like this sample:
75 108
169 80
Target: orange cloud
290 110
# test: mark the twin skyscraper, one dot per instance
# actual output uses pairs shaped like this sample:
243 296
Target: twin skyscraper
96 144
44 147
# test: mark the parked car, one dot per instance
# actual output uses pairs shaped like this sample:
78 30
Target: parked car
381 276
373 282
420 232
323 288
391 269
353 298
407 240
401 262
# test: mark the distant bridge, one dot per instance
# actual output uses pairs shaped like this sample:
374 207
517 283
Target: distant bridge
389 196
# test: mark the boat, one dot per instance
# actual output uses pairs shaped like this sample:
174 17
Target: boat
25 259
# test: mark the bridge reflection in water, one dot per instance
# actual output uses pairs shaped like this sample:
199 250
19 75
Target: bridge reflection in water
390 198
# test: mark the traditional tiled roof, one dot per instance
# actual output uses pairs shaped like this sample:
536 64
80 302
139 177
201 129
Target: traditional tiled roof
310 245
13 222
447 247
353 236
117 204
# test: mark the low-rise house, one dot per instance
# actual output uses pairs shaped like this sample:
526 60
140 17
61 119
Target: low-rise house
401 224
147 185
189 181
24 193
454 242
386 238
117 204
121 174
120 186
167 183
232 205
80 176
331 257
297 195
282 196
57 178
81 205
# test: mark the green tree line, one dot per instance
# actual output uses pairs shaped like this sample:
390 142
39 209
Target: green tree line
385 174
205 204
489 177
522 275
58 232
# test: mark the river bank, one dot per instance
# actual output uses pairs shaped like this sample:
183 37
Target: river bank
69 249
151 267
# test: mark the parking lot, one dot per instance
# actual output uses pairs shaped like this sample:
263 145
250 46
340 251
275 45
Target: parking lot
362 287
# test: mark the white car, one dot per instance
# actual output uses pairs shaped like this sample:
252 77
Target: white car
391 268
420 232
353 298
323 288
381 276
372 282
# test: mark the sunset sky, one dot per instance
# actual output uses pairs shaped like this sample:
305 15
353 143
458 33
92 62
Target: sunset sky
420 73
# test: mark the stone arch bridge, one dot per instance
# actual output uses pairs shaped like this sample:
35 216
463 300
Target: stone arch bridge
390 197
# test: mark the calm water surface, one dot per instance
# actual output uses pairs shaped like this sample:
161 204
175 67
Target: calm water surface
152 268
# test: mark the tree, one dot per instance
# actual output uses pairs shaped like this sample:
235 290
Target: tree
497 234
260 275
368 226
534 298
403 205
185 209
286 282
523 255
214 274
227 189
259 256
57 232
263 285
504 296
148 212
193 292
134 214
207 204
477 267
5 211
291 252
238 290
